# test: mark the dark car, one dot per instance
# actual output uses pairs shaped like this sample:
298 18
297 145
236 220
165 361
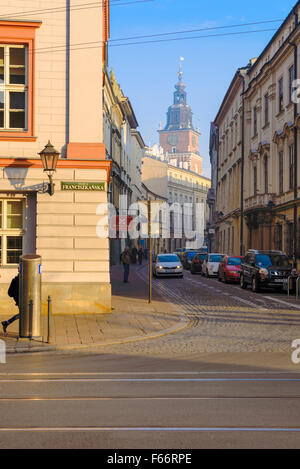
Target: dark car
229 269
187 259
269 269
196 266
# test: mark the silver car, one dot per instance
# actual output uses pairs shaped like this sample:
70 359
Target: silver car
167 265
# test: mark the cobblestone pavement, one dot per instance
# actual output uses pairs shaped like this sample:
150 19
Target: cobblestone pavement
222 318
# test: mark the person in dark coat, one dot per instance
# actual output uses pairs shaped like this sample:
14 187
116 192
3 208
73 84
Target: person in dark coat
140 255
133 255
125 259
13 292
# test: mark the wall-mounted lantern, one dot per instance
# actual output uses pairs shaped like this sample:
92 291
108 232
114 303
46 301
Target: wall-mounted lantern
49 156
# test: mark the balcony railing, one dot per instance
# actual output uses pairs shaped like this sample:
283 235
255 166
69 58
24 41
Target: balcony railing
259 201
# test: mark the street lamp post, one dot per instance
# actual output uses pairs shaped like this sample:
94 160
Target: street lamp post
150 251
49 156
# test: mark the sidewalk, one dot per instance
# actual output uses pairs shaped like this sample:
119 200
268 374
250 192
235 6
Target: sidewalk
131 319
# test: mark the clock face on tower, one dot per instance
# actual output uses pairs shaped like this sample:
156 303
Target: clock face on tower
173 139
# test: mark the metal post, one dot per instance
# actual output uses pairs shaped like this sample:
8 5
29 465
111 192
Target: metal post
49 316
289 284
150 251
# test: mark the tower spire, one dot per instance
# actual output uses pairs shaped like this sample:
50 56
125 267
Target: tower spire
180 73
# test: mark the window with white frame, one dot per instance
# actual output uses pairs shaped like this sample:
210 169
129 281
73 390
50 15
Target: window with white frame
11 230
13 87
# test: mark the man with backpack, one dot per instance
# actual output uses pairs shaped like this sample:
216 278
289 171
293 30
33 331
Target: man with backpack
13 292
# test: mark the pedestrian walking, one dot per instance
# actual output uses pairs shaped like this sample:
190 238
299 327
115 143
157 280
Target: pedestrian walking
125 259
13 292
140 255
146 254
133 255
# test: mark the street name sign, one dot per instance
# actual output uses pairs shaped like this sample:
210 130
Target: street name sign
83 186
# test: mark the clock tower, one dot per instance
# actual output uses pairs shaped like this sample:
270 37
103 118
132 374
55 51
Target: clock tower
179 140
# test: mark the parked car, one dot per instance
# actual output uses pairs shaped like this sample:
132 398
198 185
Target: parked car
167 265
210 265
265 269
196 266
229 269
187 259
181 251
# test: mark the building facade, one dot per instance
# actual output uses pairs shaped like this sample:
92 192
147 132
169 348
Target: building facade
51 91
211 196
269 136
227 218
124 149
271 144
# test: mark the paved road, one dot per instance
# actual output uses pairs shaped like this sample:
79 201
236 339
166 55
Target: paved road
225 381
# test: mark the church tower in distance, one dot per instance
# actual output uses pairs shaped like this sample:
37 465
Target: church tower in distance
179 140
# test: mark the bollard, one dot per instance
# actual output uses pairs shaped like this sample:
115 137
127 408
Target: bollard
30 296
49 319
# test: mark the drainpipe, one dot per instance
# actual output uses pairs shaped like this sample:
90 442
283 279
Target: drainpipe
242 167
293 44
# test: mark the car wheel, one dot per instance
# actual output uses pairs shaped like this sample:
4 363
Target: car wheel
192 271
207 274
243 284
255 287
219 277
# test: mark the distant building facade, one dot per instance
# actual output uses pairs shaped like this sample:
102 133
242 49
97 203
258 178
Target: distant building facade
178 187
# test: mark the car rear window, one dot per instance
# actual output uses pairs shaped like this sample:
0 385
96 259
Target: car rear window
201 256
191 255
234 261
166 258
214 258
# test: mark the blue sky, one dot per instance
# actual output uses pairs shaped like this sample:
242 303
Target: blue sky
147 73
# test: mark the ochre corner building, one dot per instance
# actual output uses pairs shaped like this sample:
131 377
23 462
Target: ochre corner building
53 90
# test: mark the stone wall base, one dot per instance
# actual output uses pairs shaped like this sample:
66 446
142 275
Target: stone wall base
69 298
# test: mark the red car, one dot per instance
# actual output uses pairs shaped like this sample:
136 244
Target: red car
230 268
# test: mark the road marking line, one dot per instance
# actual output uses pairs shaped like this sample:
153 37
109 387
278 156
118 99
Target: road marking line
283 302
249 303
146 380
152 373
182 398
148 429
